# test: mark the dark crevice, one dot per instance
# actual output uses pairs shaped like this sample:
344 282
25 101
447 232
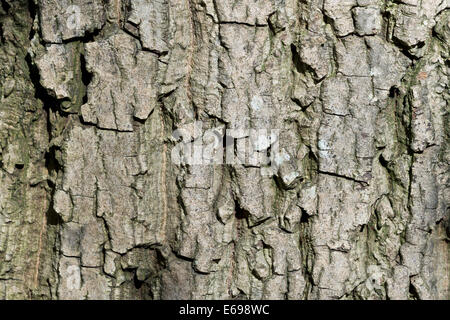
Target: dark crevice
184 258
33 10
50 102
5 6
51 163
50 105
296 59
384 163
282 185
107 230
302 67
53 167
131 34
413 294
53 218
313 160
394 92
137 283
438 36
161 258
228 141
297 62
272 28
299 103
240 213
241 295
180 198
89 36
260 222
305 218
407 54
403 47
238 23
155 52
86 77
364 183
139 120
328 20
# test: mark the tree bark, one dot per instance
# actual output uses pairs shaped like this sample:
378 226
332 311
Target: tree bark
95 96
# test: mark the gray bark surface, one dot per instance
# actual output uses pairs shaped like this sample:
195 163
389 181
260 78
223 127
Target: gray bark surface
92 205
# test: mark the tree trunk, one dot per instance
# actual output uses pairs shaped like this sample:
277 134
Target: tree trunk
101 102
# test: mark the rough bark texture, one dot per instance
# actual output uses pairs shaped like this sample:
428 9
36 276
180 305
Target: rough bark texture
93 207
